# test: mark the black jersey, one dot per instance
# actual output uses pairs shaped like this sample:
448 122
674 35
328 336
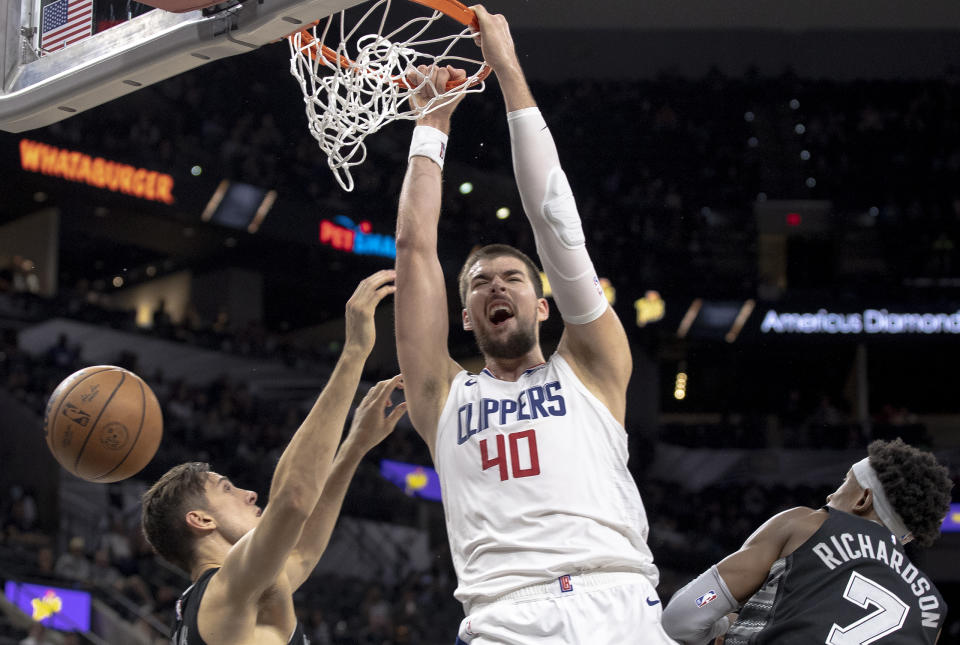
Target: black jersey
188 607
849 584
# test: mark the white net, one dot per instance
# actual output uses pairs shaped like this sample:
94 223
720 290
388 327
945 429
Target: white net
354 87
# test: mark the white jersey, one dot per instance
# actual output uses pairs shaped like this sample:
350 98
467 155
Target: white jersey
535 483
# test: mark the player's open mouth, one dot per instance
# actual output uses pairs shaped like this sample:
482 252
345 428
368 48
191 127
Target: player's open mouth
500 313
259 512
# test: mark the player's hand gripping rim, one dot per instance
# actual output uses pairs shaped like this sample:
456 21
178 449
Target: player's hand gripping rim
494 39
430 82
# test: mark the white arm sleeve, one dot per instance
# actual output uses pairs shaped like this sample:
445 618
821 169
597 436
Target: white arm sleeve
550 207
698 612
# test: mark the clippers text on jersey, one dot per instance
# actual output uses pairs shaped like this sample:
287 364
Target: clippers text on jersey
535 402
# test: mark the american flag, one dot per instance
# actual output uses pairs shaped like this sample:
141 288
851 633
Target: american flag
65 22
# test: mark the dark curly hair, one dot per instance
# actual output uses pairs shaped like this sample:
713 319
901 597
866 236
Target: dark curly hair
917 486
180 490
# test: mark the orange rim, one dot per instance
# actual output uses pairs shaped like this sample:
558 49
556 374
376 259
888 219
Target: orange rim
451 8
459 12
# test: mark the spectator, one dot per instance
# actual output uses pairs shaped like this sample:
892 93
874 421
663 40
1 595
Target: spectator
37 636
826 413
45 563
74 564
319 629
105 575
377 611
162 324
117 543
61 355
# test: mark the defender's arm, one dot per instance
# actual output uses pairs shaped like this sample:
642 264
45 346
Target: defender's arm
369 428
698 611
256 561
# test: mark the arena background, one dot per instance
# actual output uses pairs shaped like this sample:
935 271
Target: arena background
767 189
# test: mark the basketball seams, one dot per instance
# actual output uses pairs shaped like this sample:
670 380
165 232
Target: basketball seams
106 461
133 444
123 377
63 399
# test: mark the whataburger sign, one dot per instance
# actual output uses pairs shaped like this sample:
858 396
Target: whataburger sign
870 321
96 171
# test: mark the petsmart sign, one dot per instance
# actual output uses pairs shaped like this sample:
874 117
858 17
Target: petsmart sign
867 322
343 235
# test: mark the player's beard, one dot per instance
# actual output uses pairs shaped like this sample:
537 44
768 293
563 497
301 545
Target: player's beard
518 343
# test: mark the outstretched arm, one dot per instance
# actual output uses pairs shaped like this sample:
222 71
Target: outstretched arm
421 302
698 611
370 426
256 561
594 341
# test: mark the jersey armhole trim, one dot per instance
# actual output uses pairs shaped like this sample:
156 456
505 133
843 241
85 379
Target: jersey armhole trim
461 376
563 365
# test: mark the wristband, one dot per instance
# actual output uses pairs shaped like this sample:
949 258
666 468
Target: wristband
430 143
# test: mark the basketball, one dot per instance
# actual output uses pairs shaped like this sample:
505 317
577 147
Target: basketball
103 423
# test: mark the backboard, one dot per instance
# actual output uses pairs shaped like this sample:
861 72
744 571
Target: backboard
42 87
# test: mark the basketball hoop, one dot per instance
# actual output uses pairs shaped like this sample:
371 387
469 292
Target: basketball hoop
357 86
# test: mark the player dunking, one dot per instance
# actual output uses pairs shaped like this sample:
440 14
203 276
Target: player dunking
246 565
546 526
837 575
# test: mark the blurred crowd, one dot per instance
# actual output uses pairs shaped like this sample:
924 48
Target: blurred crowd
223 423
121 572
667 176
85 304
240 435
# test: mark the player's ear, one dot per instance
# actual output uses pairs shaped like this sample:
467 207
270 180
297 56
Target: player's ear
864 503
467 326
200 520
543 309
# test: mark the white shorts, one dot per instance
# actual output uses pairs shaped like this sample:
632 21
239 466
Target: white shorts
593 608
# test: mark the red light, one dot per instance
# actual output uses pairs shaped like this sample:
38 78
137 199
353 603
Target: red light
365 227
793 219
338 237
